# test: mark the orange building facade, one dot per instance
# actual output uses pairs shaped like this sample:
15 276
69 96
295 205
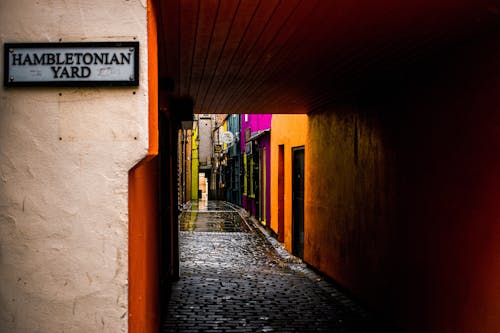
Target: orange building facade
289 133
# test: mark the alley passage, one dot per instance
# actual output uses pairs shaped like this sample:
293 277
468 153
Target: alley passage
233 279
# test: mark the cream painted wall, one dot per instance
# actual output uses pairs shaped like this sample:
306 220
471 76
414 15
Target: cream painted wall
65 154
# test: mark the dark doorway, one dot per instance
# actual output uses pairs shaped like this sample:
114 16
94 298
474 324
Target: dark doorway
263 185
281 193
298 201
168 202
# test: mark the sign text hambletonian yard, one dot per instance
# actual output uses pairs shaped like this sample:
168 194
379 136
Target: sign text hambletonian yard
71 64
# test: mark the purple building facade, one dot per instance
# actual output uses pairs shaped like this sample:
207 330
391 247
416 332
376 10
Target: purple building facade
255 144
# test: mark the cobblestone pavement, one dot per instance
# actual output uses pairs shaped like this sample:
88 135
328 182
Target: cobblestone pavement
212 217
235 279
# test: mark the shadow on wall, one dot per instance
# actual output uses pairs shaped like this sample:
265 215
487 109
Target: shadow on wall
405 210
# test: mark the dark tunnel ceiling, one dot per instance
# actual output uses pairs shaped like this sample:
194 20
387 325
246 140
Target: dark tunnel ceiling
294 56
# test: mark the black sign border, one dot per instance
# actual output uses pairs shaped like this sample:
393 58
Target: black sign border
122 83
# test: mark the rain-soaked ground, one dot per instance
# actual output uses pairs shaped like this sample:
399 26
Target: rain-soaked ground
235 278
214 216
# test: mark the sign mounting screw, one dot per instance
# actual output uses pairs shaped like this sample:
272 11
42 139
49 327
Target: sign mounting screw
11 50
131 49
131 78
11 79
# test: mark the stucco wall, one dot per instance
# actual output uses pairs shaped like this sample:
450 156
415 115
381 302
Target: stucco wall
65 154
206 145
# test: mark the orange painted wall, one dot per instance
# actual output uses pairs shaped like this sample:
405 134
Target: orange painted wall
352 232
143 290
405 209
290 131
143 247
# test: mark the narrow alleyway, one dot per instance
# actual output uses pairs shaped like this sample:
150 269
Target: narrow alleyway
233 279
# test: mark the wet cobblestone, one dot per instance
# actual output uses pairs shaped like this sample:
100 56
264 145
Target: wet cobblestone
239 281
214 216
211 221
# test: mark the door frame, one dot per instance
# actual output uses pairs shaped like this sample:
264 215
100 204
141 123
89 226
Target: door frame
295 251
281 193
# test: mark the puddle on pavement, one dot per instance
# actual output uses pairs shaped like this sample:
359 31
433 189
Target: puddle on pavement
209 206
212 221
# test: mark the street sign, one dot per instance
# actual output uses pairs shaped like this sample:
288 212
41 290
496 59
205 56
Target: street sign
71 64
227 137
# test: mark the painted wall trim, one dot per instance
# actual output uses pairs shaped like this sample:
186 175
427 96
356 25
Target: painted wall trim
143 297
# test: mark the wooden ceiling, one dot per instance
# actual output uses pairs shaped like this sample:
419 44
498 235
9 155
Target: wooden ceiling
293 56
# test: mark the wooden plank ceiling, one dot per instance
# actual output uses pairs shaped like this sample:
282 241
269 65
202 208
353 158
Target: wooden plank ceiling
293 56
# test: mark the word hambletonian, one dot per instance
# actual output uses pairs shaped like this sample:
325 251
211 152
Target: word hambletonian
73 58
68 64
